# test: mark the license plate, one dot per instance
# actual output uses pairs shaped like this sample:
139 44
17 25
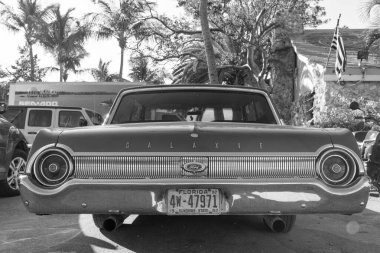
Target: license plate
193 202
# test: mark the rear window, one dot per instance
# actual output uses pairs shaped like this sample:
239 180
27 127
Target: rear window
69 118
194 106
40 118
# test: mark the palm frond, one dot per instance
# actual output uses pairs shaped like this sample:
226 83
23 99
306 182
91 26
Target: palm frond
370 11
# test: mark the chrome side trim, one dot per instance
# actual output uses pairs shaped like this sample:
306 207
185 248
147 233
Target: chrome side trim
141 196
182 183
207 154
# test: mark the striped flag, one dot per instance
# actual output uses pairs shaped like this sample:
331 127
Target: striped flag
334 43
335 39
341 57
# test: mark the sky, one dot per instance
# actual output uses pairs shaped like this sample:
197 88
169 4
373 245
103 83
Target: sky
109 50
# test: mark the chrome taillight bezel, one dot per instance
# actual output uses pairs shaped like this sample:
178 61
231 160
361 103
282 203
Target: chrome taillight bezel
38 171
349 160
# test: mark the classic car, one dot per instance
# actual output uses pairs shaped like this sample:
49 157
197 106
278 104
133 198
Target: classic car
194 150
13 154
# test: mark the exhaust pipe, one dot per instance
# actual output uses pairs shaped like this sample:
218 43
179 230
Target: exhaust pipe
280 223
108 222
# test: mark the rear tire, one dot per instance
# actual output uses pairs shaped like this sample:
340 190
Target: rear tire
9 187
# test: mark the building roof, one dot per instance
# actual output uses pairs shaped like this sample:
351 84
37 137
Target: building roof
315 45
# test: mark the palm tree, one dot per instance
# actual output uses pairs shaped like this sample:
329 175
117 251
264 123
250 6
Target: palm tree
141 72
370 13
211 64
102 72
119 22
26 19
72 62
64 38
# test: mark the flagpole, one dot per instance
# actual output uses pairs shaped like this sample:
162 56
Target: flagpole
336 28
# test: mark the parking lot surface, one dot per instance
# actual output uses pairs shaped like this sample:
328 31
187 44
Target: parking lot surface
22 232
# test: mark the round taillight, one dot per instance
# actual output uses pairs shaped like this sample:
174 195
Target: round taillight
337 168
52 167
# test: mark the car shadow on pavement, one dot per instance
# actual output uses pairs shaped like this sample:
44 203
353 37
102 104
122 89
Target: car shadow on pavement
191 234
82 244
21 231
312 233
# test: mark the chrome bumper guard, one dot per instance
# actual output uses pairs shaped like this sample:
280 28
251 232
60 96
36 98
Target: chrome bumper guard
253 196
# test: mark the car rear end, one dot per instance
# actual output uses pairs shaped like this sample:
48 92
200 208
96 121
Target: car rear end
175 163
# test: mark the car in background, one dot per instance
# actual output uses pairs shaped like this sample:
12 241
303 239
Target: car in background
194 150
31 119
13 155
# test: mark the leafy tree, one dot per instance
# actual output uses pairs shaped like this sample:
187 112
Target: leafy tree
64 37
21 70
242 34
102 72
141 72
3 73
25 19
119 21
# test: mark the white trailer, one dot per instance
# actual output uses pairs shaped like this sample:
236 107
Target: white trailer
97 96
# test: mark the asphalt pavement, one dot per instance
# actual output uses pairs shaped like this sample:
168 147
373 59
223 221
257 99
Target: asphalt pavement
22 232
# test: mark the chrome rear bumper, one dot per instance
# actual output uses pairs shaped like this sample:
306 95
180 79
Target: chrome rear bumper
275 196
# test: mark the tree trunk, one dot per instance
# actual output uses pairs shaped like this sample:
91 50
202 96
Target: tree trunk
283 65
65 75
210 56
251 57
121 63
61 72
32 68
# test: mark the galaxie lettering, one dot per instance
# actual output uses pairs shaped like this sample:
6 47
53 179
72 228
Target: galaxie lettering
171 145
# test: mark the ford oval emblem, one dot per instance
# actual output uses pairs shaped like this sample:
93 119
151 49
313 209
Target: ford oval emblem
194 167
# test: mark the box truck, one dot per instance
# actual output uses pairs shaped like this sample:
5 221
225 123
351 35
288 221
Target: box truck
96 96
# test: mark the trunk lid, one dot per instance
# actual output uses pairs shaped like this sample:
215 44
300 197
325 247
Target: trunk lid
193 137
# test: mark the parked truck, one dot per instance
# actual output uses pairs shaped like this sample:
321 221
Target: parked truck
96 96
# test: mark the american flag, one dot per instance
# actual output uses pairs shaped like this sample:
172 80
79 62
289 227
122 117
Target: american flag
341 57
335 39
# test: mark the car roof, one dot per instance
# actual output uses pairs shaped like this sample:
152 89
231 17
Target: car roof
179 86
